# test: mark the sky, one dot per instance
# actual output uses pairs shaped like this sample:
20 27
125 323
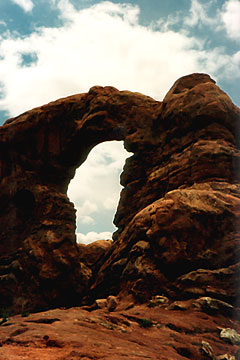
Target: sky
54 48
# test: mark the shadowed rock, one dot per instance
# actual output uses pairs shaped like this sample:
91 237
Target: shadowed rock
178 212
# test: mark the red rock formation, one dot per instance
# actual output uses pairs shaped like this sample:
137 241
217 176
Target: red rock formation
184 210
92 253
177 236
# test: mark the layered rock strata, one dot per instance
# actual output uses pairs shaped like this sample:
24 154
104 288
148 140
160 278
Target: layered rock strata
178 213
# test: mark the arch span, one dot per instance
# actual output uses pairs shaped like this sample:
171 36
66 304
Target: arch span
40 152
183 171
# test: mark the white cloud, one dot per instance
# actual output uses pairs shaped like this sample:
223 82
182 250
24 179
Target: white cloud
94 179
85 220
103 45
199 14
85 210
95 189
26 5
204 15
110 202
3 23
231 18
236 58
93 236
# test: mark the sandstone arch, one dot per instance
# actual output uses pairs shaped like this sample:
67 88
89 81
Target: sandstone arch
41 150
47 144
188 141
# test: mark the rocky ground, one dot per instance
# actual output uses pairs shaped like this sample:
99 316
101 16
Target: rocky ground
157 330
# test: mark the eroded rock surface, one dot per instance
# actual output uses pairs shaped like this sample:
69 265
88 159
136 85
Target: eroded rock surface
141 332
177 218
92 253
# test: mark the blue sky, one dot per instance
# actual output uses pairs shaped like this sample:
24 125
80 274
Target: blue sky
54 48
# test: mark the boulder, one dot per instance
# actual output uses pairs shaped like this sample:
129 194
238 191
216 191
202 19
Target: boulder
91 253
112 302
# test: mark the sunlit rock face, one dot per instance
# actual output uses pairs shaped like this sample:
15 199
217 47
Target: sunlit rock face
177 214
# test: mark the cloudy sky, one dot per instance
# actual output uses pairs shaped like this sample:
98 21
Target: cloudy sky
54 48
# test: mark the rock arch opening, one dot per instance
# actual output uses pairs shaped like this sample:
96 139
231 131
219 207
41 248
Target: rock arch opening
95 191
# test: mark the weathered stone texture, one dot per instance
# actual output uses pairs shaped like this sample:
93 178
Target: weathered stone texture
178 213
142 332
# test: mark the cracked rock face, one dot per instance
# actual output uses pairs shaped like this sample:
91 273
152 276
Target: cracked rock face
177 217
